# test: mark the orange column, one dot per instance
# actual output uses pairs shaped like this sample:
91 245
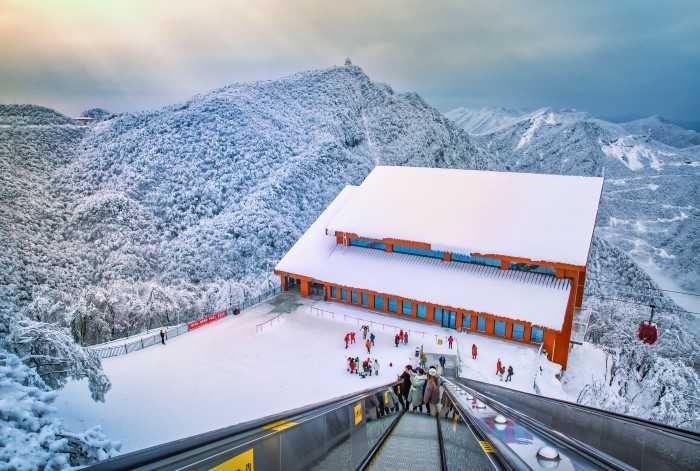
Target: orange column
304 288
283 281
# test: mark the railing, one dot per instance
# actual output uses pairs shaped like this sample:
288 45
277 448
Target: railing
278 319
538 370
323 313
107 350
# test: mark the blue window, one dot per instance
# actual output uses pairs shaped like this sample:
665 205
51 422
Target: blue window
368 244
392 305
416 251
536 335
466 321
452 324
353 297
406 307
518 331
378 302
343 294
532 268
458 257
422 311
437 314
481 324
365 299
499 328
334 292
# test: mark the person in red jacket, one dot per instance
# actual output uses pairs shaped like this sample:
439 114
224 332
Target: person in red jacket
474 351
347 339
498 366
368 344
401 336
352 337
450 339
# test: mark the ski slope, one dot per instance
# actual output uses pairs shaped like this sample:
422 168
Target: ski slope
229 371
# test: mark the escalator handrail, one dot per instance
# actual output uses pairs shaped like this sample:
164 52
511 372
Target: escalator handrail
564 441
166 450
506 457
614 415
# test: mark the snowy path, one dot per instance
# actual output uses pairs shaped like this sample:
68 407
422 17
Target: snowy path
225 373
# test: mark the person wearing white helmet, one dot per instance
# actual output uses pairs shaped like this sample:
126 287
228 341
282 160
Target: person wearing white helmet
431 396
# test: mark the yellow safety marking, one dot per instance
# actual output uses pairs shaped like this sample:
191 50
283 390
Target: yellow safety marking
280 425
358 413
241 462
386 398
486 446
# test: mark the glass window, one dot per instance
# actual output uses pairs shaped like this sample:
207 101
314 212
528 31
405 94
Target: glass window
499 328
518 331
334 292
481 324
407 308
368 244
458 257
365 299
466 321
533 268
422 311
393 306
378 302
353 296
416 251
344 294
536 334
437 314
453 319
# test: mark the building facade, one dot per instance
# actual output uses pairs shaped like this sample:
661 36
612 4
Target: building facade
464 267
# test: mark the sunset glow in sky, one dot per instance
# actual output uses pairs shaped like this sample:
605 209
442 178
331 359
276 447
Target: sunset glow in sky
614 59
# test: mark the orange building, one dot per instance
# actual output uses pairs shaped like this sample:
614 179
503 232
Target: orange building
494 253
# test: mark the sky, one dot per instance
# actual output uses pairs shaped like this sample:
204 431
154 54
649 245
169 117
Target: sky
614 59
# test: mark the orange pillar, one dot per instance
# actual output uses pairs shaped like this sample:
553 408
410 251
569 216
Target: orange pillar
283 281
304 288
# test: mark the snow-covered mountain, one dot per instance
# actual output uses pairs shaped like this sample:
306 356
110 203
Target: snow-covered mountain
115 227
650 201
661 130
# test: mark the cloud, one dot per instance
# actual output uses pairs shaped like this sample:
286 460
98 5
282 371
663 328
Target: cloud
598 56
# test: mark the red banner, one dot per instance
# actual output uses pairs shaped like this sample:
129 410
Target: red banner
206 320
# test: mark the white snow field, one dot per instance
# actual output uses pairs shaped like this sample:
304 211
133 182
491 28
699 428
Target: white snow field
230 372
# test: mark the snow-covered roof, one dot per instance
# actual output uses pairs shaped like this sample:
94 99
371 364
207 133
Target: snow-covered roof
540 217
535 298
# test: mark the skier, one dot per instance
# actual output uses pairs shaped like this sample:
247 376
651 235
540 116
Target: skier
501 372
510 373
376 367
368 344
365 329
351 363
369 366
450 339
442 361
347 339
474 351
352 337
405 338
162 337
396 340
371 338
498 366
401 336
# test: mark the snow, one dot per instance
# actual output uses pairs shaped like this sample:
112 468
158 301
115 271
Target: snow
535 298
226 373
634 154
540 217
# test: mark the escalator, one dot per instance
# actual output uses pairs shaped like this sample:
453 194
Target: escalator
474 430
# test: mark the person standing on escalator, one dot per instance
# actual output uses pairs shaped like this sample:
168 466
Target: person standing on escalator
431 396
416 392
405 379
